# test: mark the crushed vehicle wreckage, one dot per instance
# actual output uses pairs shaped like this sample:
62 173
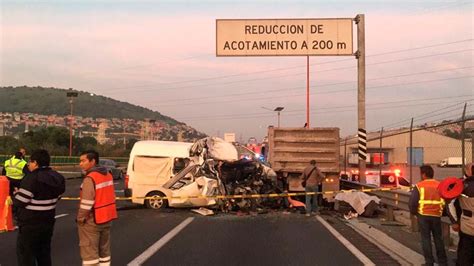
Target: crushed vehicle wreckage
213 169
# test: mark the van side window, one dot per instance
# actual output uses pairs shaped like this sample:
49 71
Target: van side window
179 164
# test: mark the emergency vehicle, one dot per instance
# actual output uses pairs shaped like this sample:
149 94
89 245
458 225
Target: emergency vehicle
387 178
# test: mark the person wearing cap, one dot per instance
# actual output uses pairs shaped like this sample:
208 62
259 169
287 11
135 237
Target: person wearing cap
15 169
427 204
464 219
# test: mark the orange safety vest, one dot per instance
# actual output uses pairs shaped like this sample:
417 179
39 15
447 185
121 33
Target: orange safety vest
430 202
104 204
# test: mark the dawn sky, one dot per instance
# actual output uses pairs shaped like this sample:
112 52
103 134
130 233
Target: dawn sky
161 55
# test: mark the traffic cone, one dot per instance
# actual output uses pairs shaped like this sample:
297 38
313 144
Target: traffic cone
6 216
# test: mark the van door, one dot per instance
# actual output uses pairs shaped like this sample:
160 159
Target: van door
152 170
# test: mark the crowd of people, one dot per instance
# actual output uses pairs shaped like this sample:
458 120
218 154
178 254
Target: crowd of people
36 190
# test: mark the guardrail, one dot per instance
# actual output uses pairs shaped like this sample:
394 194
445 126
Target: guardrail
66 160
394 198
397 199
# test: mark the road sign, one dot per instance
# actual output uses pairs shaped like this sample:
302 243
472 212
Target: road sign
284 37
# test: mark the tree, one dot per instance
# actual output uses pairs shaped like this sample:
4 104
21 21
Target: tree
452 134
83 144
8 145
53 139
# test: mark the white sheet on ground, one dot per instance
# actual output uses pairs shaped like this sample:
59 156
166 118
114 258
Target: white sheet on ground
358 200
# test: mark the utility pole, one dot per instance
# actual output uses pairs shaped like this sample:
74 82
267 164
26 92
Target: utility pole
463 139
124 141
411 152
362 133
71 95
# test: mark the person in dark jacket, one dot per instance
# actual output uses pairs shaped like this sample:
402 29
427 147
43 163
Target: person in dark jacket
36 201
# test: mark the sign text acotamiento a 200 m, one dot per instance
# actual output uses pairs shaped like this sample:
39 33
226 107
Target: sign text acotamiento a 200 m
284 37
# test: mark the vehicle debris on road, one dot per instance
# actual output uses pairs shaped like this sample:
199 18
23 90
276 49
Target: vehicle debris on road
214 169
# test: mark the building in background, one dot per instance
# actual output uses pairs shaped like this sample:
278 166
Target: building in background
428 148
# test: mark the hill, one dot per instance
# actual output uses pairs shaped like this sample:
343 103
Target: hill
49 101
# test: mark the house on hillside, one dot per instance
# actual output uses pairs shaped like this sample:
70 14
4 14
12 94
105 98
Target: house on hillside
428 147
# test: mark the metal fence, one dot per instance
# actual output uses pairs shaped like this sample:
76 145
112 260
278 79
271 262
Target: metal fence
446 145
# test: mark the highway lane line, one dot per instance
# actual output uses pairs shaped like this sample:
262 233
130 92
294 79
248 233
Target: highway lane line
160 243
398 251
359 255
60 215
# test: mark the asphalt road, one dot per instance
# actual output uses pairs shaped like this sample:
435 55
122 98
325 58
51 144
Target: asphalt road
224 239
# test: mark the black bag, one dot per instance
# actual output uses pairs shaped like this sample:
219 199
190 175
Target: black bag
304 181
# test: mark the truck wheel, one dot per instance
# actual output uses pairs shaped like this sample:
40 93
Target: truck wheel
155 202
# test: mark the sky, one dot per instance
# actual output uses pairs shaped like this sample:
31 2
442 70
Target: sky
162 55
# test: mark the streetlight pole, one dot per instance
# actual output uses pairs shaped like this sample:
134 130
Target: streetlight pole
278 110
278 118
71 95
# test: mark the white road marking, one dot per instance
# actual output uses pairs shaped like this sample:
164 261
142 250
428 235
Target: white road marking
399 252
359 255
60 215
160 243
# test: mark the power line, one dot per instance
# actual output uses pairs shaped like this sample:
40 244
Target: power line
425 121
327 111
287 68
337 107
304 73
424 115
325 92
315 86
414 130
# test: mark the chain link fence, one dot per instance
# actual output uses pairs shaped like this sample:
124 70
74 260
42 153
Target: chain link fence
446 145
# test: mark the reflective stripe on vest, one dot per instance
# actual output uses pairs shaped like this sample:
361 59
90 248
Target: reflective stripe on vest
14 168
467 222
430 202
104 204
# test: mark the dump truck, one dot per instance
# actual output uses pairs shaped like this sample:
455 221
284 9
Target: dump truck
291 150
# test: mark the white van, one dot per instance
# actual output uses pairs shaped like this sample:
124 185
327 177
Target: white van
151 164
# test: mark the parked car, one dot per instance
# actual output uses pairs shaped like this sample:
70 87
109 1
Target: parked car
112 167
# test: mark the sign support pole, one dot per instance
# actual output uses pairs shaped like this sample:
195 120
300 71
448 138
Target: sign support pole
307 91
362 133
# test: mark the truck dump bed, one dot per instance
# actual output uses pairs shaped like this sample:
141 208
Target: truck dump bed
291 149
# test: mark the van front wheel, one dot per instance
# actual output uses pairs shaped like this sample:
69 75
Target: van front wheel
155 202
